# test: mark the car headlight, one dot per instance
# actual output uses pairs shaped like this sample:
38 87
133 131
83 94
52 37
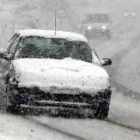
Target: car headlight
104 27
89 27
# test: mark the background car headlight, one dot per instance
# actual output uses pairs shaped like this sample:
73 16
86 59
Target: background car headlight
89 27
104 27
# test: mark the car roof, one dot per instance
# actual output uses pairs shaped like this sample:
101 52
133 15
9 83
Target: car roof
52 34
98 18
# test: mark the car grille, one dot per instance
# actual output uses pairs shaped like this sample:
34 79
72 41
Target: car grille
36 94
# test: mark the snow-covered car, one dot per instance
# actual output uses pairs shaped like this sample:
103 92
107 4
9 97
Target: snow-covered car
54 70
97 26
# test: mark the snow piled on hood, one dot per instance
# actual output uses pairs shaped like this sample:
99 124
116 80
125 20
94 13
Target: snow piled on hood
52 34
61 76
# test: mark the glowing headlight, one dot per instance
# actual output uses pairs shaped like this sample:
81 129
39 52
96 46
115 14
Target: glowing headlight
133 14
104 27
89 27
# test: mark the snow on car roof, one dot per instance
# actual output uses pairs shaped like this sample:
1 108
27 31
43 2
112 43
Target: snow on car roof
51 34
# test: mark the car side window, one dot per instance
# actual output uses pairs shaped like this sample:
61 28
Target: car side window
9 43
12 46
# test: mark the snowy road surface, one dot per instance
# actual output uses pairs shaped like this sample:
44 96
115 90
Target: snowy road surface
18 128
128 68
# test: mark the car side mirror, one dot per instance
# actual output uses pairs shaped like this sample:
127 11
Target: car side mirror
4 56
106 61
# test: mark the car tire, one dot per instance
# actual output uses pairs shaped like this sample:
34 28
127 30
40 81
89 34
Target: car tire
11 106
102 111
13 109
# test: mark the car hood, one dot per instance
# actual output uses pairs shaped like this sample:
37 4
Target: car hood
61 76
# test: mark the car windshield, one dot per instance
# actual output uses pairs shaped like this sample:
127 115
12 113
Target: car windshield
57 48
98 18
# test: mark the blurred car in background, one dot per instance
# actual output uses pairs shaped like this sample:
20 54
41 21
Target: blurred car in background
130 14
97 26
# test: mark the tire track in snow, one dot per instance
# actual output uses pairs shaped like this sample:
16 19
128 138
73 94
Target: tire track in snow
116 61
45 125
77 134
123 125
119 87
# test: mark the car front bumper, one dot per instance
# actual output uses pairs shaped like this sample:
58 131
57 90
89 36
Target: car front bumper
97 33
34 98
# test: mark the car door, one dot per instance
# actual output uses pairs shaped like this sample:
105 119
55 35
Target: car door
5 64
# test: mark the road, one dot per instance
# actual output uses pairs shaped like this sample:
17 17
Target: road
130 67
18 128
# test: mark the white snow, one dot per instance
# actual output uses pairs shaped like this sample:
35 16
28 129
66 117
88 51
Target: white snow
61 76
89 129
51 34
18 128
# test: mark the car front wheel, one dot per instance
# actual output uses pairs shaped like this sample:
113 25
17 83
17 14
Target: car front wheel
12 106
102 111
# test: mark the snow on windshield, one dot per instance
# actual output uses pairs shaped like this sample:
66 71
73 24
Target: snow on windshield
57 48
